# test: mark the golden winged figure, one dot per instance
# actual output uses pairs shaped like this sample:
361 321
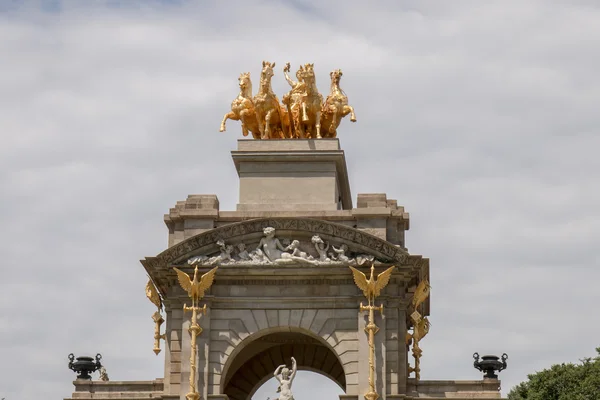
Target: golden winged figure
152 294
194 287
421 293
371 287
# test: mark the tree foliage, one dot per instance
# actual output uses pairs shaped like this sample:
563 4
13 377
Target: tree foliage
562 382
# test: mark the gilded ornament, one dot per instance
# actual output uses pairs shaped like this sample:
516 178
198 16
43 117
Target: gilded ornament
195 289
154 297
372 289
242 108
272 118
336 107
302 114
420 325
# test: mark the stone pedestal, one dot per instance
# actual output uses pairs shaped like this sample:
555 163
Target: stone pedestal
298 175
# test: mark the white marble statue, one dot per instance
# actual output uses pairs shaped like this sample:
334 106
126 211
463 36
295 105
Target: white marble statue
103 374
225 256
340 253
293 253
270 245
321 248
294 247
285 378
274 251
242 252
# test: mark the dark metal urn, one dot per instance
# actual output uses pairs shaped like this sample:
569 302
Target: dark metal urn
488 364
84 366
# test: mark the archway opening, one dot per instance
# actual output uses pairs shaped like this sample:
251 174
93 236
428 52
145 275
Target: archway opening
307 385
255 363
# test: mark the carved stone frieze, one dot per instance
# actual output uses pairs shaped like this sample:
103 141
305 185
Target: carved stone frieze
273 251
207 242
238 244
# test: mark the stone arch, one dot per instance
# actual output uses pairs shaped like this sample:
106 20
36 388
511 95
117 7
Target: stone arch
254 359
234 329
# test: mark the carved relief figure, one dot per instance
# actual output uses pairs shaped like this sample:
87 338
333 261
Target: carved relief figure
270 245
340 253
242 108
296 253
273 122
294 248
285 378
321 248
225 255
242 252
257 256
336 107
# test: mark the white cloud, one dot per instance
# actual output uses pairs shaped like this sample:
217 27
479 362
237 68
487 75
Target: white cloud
479 118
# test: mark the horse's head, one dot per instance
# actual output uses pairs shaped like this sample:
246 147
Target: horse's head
336 75
267 70
245 83
309 70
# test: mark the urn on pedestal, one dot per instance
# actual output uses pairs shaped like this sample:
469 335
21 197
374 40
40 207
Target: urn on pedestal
489 363
84 366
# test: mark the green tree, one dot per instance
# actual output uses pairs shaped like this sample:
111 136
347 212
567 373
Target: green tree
562 382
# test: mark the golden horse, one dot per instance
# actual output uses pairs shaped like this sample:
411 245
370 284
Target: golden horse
336 107
272 118
304 104
242 108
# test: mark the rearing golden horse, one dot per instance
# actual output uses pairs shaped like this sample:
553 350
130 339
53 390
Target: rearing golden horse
273 122
336 107
242 108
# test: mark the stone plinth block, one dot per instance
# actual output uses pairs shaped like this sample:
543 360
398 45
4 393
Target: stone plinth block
290 175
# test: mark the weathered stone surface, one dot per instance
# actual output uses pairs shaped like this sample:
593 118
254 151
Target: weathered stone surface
260 315
275 175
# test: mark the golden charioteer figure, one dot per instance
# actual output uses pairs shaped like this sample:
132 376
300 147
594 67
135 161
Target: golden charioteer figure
302 114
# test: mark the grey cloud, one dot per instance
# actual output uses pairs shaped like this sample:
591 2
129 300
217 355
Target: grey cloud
479 118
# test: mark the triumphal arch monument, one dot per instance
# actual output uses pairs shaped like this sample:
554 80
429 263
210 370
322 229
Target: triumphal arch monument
300 276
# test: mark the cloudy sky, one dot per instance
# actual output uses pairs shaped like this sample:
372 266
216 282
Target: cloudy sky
479 117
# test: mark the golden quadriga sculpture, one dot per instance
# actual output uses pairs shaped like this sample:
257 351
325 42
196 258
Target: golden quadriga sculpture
302 115
420 326
372 289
